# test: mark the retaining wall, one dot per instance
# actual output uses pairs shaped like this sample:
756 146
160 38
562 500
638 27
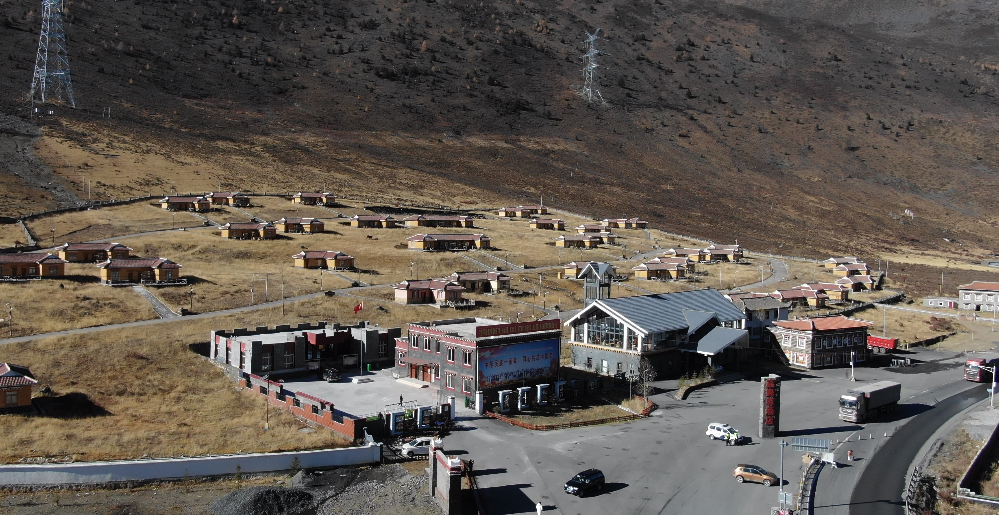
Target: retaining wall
175 468
976 473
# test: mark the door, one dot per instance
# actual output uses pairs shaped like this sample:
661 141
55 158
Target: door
425 370
413 371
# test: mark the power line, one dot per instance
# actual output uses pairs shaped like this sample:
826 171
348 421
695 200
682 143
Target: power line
51 80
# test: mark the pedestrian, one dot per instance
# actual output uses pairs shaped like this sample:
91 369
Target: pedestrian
539 507
849 455
400 400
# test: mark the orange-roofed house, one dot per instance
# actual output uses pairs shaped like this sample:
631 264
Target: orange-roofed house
833 262
821 342
657 270
328 259
248 231
141 270
31 265
300 225
442 292
581 241
186 203
549 224
228 198
441 242
92 252
15 384
438 221
373 221
695 255
978 296
848 269
724 252
312 199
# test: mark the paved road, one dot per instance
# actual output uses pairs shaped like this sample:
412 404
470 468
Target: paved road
879 490
161 309
779 274
664 464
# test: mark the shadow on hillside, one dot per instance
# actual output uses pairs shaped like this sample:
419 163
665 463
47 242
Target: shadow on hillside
69 406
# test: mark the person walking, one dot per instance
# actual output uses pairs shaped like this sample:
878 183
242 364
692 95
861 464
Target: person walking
539 507
849 455
400 400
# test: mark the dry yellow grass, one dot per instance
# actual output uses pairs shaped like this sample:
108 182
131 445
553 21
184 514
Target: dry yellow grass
161 399
274 208
108 222
907 326
10 234
42 306
222 271
800 272
948 465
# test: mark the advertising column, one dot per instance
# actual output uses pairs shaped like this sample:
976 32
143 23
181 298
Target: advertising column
770 407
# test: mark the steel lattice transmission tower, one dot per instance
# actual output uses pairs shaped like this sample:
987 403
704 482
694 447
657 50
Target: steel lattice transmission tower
51 81
590 66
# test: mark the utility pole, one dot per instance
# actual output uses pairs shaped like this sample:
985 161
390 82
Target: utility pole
320 279
267 401
852 376
282 294
10 319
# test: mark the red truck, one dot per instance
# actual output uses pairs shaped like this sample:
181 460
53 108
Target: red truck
881 345
974 371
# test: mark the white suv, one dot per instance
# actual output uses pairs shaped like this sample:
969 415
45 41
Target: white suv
719 431
419 445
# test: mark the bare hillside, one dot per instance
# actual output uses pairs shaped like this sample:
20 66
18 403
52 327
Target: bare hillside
799 126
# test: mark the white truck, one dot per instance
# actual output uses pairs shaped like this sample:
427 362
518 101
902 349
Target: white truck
866 402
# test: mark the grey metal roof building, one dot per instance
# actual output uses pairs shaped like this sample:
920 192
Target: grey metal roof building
611 335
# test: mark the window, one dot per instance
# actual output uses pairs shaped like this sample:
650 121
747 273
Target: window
589 362
466 357
837 342
402 355
414 341
603 366
438 348
466 384
315 409
242 358
450 354
620 367
604 330
53 270
265 361
11 398
32 270
426 344
382 348
169 275
787 339
289 359
449 380
801 342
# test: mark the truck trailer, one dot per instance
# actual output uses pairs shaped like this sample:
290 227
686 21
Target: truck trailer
866 402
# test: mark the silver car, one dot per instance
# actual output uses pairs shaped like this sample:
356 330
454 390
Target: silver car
419 446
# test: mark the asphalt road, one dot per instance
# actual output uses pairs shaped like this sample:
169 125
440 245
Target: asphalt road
665 464
879 489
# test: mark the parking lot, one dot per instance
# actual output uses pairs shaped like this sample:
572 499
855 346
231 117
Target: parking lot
666 463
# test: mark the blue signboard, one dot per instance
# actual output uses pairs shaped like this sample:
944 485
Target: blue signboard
512 364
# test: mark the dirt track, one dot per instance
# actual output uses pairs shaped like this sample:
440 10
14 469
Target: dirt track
17 159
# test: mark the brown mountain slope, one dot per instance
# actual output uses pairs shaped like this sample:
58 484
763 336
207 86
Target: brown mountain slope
720 120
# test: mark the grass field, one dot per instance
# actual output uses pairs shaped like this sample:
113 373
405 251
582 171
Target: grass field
10 234
274 208
108 222
56 304
907 326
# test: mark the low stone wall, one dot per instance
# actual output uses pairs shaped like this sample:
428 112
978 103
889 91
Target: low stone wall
972 479
102 472
681 395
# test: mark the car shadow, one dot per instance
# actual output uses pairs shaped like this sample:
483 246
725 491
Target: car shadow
608 488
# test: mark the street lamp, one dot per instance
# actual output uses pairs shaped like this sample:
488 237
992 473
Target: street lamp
53 237
992 391
10 319
782 444
192 298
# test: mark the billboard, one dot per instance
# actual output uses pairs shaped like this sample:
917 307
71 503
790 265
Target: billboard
485 331
512 364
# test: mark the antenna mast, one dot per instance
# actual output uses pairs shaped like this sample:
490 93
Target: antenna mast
590 66
51 81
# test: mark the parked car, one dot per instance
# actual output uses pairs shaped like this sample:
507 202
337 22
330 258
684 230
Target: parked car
744 472
719 431
586 481
419 446
331 375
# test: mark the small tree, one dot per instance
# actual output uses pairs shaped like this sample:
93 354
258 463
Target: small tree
645 375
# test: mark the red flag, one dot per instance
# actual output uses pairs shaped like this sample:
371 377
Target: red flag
358 307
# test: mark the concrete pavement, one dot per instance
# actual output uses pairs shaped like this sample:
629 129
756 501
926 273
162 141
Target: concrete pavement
666 464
